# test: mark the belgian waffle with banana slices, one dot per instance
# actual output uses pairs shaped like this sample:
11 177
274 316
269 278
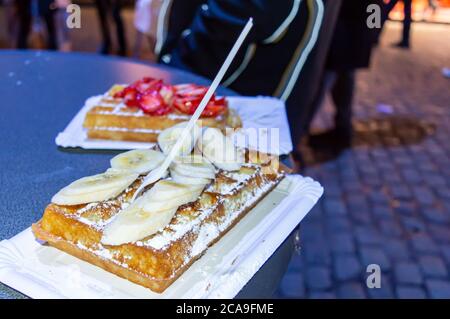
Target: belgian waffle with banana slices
141 110
152 240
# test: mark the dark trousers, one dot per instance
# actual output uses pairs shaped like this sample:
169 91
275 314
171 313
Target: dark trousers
25 18
301 102
105 9
341 85
406 21
342 93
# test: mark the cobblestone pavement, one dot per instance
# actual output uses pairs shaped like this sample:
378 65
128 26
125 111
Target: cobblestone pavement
387 200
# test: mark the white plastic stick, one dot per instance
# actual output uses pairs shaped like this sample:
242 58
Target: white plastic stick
157 173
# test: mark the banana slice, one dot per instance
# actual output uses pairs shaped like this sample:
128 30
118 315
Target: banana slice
220 150
188 180
192 171
166 140
154 203
150 213
64 199
95 188
133 224
168 137
137 161
165 190
193 166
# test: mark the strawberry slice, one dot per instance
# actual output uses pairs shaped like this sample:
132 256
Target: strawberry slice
184 88
163 110
130 96
151 102
148 84
187 105
119 95
167 93
215 107
155 97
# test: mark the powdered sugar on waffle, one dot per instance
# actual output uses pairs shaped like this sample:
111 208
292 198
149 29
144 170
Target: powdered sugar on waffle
102 252
125 129
206 231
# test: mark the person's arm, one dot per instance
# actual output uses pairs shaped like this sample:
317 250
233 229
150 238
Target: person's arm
173 18
217 25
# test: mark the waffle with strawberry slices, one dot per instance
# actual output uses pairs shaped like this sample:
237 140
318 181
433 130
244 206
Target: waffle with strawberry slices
140 111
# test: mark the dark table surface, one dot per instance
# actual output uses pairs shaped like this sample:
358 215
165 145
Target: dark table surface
40 93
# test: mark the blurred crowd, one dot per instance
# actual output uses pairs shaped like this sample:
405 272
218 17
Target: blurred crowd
48 19
298 50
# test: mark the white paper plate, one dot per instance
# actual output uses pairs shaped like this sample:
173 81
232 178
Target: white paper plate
40 271
257 113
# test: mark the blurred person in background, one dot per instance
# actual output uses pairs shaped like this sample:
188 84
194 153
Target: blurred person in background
407 20
10 21
283 56
109 12
432 5
350 50
25 10
62 31
145 20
